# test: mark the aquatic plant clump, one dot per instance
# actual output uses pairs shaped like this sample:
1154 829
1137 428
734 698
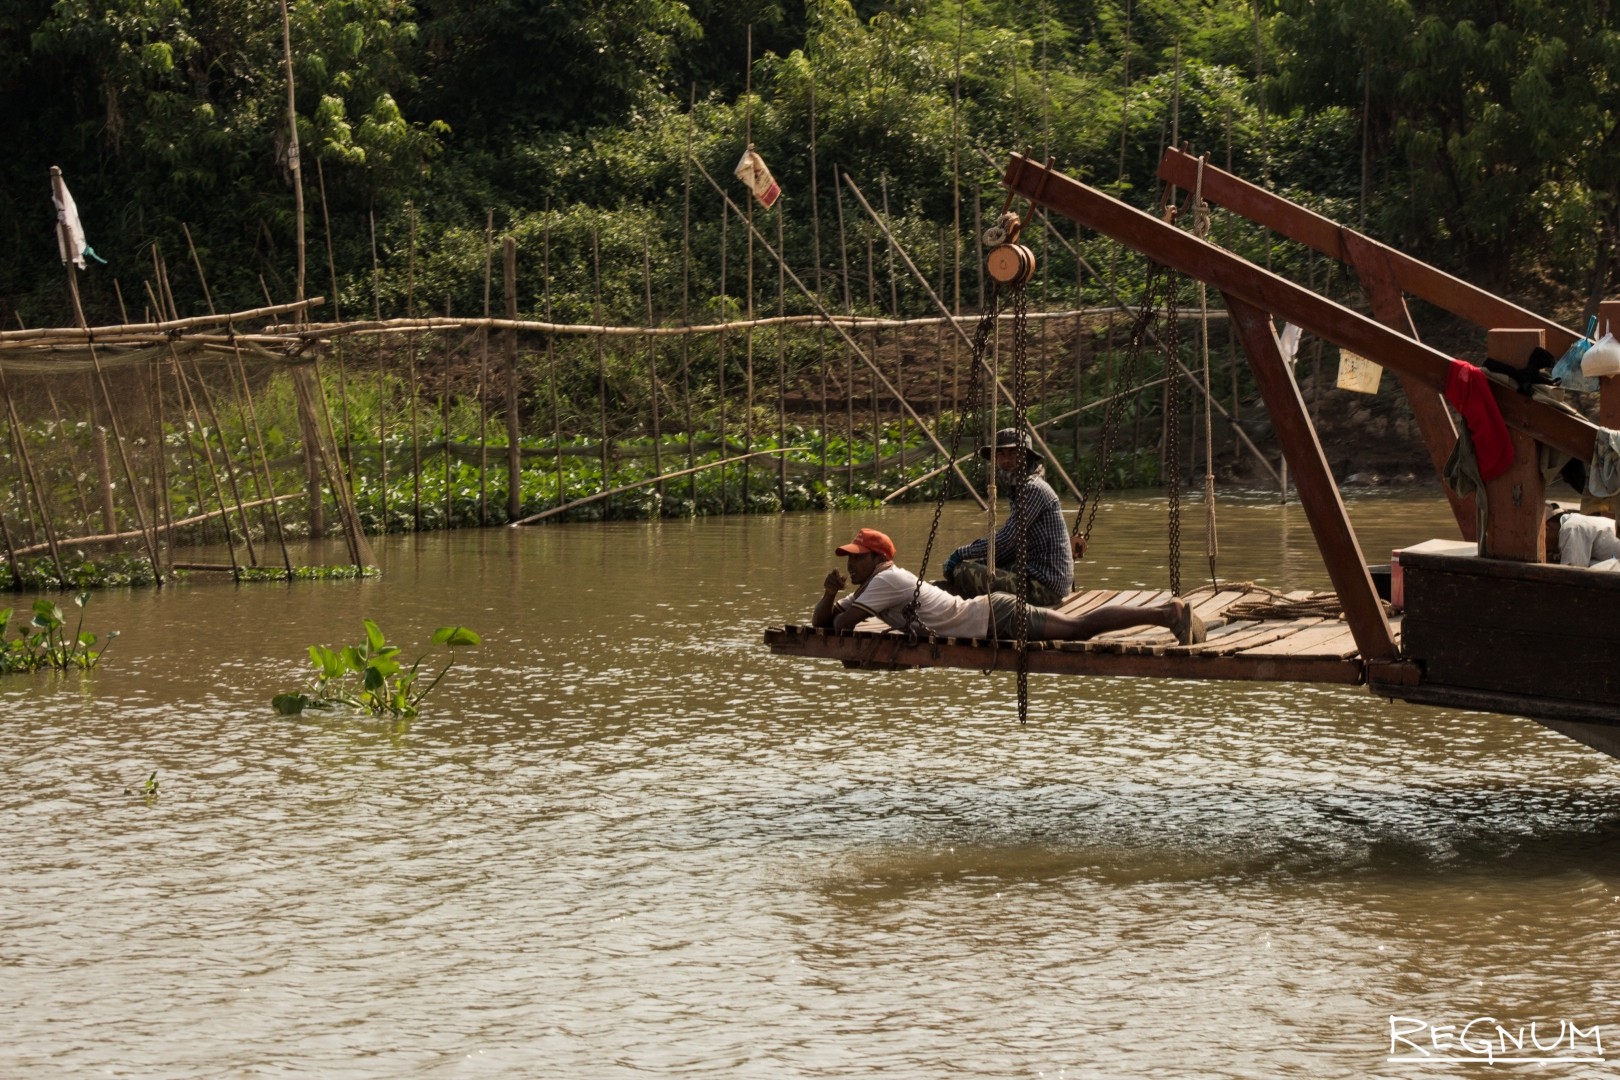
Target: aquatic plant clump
370 677
43 641
305 573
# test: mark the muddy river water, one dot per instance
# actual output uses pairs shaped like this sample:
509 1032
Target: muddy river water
624 840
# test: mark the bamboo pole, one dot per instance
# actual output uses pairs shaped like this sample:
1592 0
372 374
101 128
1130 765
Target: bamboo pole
73 456
514 463
995 379
266 490
781 370
601 353
382 380
30 482
849 357
652 368
686 296
444 424
816 302
748 290
815 247
877 420
412 390
555 510
187 397
894 313
1122 306
293 164
312 400
337 312
208 298
110 334
725 309
101 382
134 534
551 354
483 376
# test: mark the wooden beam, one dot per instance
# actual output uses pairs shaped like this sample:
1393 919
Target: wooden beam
1268 292
1318 494
1272 293
1372 265
1414 276
1513 516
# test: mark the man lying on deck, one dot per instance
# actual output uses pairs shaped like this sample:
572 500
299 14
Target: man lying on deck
885 590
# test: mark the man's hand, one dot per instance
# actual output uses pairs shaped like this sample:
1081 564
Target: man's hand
834 582
1078 545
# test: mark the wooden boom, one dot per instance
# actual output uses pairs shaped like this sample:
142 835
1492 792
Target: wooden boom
1254 296
1262 289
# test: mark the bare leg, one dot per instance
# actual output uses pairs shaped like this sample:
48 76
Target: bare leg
1060 627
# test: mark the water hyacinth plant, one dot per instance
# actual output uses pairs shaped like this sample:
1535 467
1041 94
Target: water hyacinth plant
370 676
43 642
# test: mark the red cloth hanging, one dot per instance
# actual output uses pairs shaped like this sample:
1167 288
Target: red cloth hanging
1469 390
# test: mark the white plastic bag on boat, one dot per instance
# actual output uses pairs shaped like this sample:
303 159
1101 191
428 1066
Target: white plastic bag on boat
1603 358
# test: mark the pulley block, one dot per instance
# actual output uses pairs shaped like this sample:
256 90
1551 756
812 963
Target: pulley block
1011 264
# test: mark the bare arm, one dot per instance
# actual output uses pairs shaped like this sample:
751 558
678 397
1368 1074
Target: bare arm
825 615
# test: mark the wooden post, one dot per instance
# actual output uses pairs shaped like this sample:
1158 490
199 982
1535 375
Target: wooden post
1318 494
1513 515
1609 395
514 462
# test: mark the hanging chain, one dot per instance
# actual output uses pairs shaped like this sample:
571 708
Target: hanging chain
981 340
1019 487
1212 544
1172 428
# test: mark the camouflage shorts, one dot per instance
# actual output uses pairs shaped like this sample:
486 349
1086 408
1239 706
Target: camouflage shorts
1004 618
973 578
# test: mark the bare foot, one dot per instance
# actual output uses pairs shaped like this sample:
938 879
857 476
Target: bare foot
1188 627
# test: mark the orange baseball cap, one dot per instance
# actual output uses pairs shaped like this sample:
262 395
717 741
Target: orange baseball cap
868 540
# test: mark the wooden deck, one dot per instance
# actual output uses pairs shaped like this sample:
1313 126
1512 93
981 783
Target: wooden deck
1300 649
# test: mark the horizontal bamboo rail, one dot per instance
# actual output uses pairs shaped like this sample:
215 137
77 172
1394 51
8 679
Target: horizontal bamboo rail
101 333
136 534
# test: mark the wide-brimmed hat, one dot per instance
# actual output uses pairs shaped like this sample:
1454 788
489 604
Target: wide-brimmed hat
1006 439
868 541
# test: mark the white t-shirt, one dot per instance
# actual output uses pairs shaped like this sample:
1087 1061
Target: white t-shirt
887 593
1587 540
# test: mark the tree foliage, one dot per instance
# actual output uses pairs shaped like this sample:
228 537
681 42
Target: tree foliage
1479 134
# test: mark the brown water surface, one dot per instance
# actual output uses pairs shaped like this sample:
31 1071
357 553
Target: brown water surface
624 840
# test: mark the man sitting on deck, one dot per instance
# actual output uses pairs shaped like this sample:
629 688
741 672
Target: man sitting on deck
885 590
1575 539
1037 512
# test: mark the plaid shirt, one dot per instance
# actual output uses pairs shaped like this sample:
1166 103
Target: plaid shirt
1051 560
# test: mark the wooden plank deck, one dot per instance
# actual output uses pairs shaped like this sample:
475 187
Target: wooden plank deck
1307 648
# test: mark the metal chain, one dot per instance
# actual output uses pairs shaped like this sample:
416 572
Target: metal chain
1172 428
1021 518
976 382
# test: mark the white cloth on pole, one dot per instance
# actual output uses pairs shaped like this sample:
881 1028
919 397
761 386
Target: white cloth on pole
70 232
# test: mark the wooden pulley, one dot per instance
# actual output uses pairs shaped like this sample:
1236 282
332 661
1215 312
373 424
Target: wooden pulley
1011 264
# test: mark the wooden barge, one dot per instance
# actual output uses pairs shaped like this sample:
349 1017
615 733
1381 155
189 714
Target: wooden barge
1485 625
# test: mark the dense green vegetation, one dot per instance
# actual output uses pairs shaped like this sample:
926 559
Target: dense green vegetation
1487 129
1480 136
